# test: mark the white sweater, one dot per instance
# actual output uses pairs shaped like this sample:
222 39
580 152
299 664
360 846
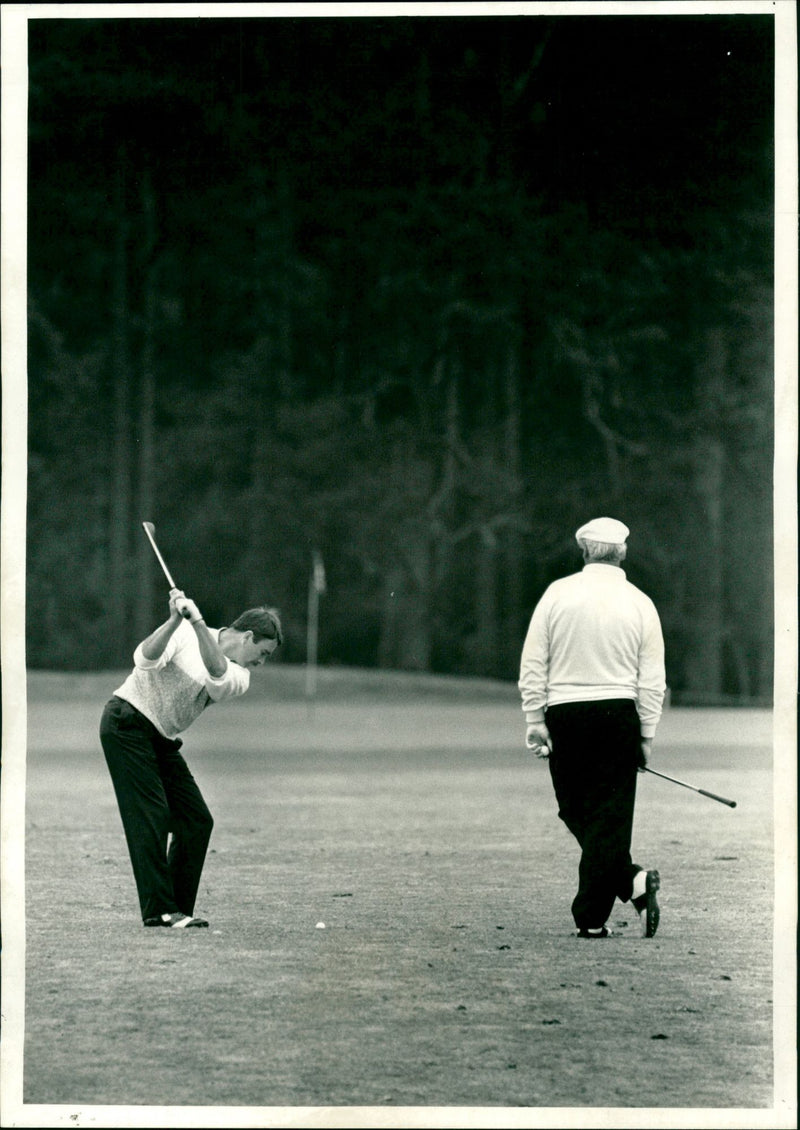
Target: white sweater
592 636
176 688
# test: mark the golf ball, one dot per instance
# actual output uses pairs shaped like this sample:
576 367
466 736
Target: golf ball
320 926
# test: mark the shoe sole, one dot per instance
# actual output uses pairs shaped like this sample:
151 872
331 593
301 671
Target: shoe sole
652 913
171 926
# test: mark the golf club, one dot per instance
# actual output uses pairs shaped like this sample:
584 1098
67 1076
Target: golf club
150 530
704 792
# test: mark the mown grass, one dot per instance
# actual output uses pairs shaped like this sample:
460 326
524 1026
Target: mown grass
405 815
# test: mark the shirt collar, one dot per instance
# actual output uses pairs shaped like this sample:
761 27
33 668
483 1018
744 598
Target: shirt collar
600 567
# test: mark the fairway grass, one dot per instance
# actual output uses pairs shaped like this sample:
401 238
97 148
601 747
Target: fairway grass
411 823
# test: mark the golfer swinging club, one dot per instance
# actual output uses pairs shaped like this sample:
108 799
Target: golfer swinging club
592 684
180 669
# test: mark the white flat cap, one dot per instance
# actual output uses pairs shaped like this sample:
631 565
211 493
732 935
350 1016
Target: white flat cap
607 530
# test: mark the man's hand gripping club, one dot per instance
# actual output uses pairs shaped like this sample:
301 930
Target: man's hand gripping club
181 606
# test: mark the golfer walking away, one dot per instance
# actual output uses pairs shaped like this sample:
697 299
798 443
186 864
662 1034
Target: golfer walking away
180 669
592 685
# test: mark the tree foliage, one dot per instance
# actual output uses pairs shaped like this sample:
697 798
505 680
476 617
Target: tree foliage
370 287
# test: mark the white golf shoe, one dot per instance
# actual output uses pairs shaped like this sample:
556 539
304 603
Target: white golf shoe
646 903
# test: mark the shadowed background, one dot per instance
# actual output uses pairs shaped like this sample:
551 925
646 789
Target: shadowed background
420 295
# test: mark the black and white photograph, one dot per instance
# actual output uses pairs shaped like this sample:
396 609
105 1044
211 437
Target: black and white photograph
399 565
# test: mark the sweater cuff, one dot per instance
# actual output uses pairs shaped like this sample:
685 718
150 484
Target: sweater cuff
647 731
532 716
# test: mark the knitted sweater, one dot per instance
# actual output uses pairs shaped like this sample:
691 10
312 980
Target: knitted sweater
592 636
174 689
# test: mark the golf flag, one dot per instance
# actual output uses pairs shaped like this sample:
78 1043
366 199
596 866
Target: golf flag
319 573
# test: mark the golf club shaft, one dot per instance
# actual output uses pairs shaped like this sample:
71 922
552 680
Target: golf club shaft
150 530
703 792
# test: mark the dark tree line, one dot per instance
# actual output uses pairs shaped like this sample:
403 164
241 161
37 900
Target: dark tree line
422 295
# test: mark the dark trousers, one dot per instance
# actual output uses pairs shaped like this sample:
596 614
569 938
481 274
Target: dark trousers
157 795
594 763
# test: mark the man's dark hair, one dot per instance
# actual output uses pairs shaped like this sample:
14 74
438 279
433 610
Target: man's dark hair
264 623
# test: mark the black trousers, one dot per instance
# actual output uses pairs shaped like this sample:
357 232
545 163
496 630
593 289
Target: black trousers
594 763
157 795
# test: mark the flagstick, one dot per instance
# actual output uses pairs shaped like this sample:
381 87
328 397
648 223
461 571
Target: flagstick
316 586
312 642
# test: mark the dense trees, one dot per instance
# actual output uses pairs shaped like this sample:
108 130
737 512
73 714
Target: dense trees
396 291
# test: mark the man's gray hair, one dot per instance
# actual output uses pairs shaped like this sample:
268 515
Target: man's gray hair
602 550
